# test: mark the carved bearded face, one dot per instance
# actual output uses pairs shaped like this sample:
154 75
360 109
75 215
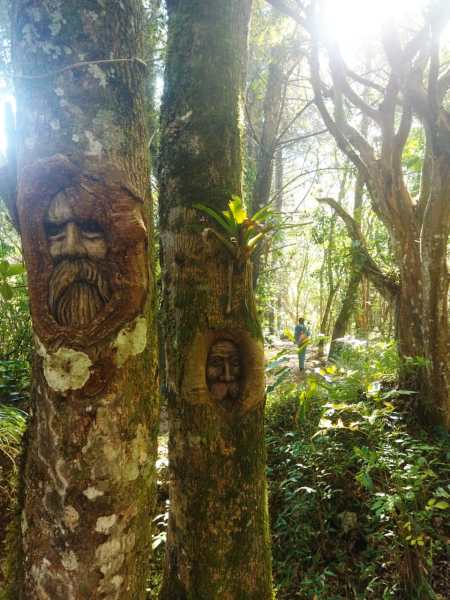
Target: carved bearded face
78 288
224 371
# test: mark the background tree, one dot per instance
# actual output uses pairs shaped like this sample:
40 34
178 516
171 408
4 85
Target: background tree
415 86
217 544
83 208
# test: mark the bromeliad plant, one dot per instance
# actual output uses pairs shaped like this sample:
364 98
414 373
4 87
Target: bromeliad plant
240 234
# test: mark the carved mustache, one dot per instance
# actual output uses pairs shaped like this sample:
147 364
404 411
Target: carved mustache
81 270
77 291
221 390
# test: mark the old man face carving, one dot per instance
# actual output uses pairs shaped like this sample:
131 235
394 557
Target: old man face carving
78 288
224 371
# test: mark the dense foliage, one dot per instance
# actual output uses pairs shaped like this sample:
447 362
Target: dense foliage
359 497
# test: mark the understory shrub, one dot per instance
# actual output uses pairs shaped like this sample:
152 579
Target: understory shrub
359 496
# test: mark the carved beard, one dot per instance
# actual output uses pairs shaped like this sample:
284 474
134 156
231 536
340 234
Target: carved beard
221 391
77 292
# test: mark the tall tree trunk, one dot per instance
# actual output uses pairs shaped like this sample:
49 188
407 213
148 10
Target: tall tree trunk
218 541
435 280
275 301
351 293
83 207
273 103
331 287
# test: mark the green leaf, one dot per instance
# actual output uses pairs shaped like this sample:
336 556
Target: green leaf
4 267
365 480
442 505
16 269
237 210
216 216
261 214
255 239
6 291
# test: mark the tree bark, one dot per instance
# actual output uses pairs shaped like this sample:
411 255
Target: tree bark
348 303
85 221
273 104
218 540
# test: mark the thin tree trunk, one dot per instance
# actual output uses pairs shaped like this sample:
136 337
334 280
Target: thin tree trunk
332 288
83 203
273 103
218 541
274 321
351 293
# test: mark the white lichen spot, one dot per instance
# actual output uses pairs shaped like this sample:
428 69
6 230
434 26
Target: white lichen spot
139 454
129 542
75 138
38 574
104 524
71 518
59 92
117 581
28 34
186 116
56 22
69 561
131 341
66 369
92 493
54 124
67 50
107 551
91 15
97 73
94 146
34 13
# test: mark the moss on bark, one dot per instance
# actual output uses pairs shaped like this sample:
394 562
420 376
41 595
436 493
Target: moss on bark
218 542
89 475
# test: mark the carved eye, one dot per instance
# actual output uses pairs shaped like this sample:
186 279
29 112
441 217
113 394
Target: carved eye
216 362
91 229
54 230
235 362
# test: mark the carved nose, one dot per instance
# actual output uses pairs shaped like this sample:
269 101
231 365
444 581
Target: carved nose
72 244
227 373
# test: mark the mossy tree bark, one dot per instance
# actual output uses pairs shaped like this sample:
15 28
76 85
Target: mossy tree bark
83 212
356 273
218 540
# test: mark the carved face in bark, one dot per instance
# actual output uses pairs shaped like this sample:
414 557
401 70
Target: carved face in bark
224 371
78 287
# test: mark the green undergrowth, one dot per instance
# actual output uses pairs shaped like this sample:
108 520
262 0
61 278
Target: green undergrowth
359 496
12 427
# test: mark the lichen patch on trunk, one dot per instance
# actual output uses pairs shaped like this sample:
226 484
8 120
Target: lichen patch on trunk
65 369
131 341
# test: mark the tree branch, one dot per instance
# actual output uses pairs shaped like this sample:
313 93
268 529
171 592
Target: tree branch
283 7
339 71
300 138
384 284
343 144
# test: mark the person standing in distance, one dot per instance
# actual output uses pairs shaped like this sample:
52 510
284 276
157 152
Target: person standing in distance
301 336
